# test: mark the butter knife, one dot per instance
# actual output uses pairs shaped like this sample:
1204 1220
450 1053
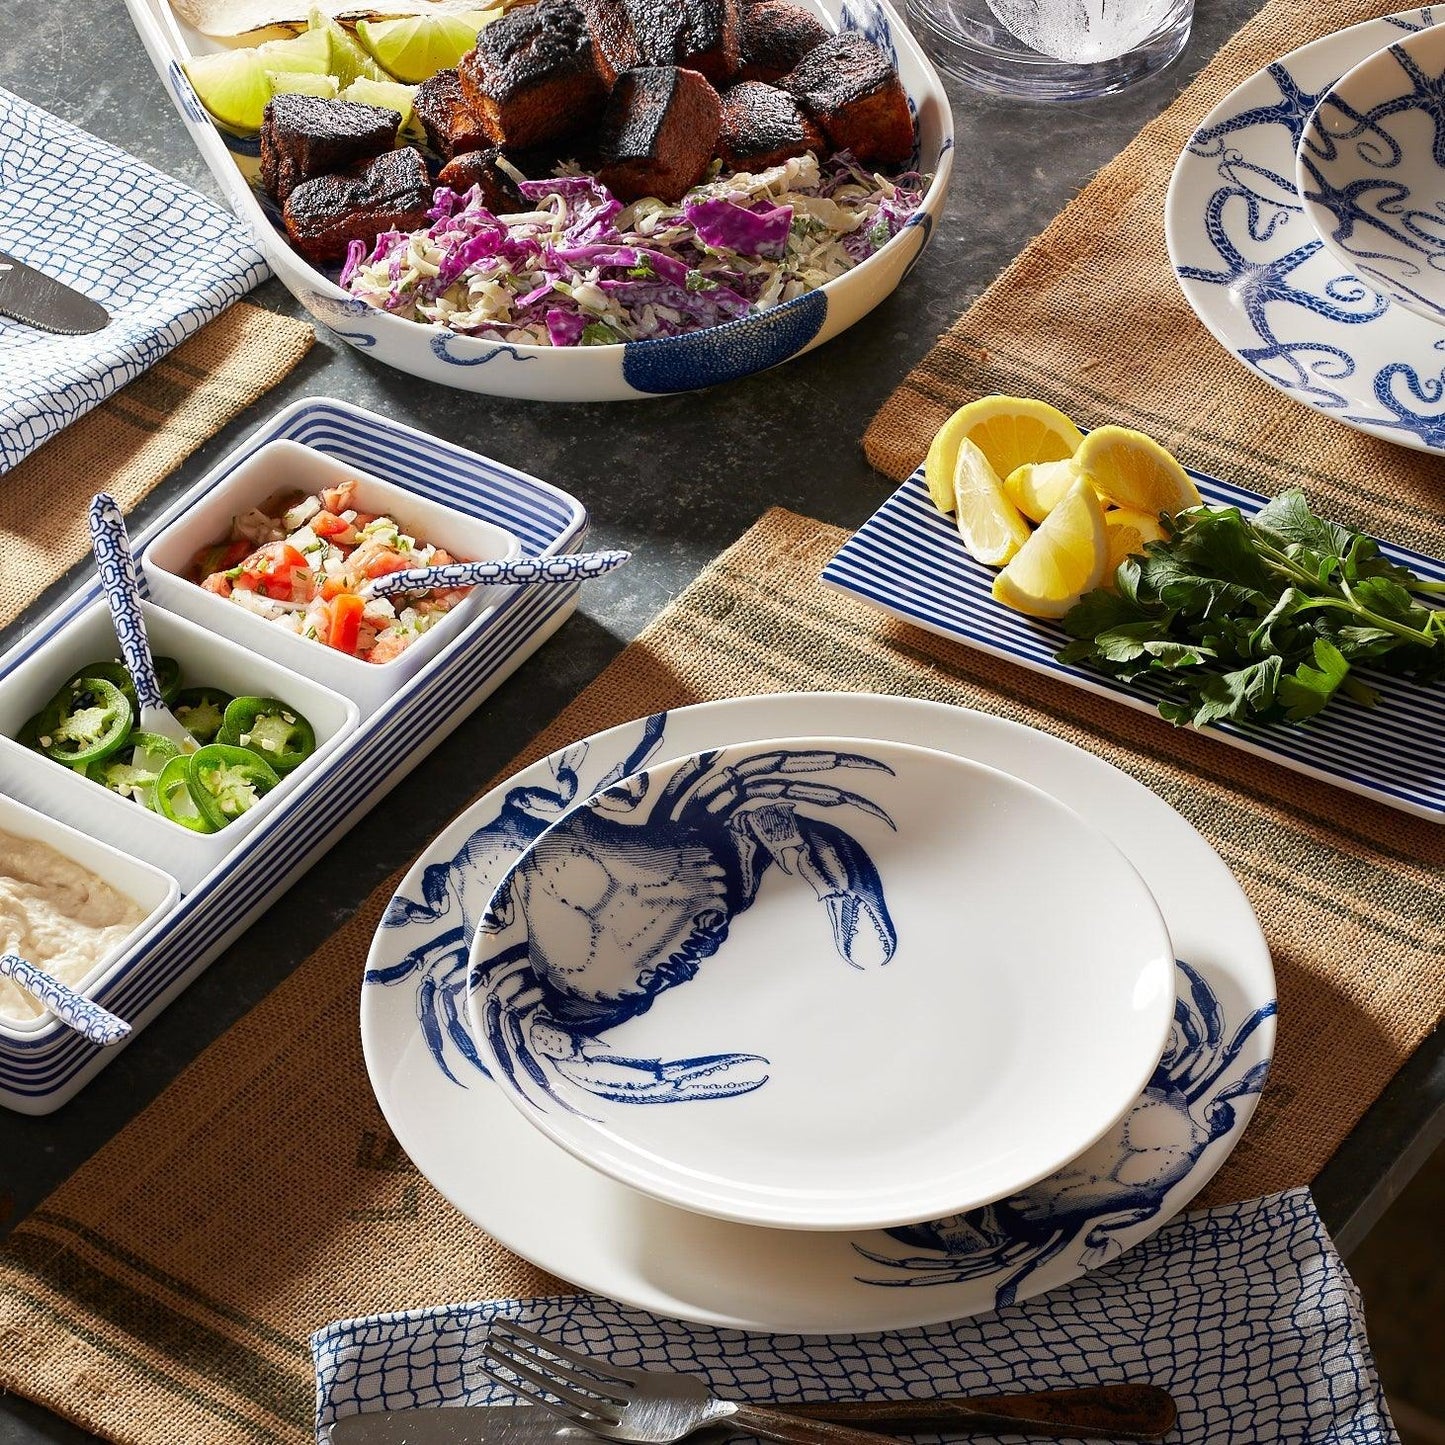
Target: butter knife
41 301
1111 1412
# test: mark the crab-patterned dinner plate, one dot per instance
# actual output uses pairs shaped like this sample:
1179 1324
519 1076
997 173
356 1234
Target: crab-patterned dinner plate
1257 274
535 1197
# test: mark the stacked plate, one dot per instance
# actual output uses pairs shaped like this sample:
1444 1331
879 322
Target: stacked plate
1306 224
819 1013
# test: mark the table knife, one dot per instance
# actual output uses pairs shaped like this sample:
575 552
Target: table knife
1112 1412
41 301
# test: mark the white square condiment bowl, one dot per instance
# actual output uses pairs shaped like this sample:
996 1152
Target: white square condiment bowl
151 889
206 661
284 465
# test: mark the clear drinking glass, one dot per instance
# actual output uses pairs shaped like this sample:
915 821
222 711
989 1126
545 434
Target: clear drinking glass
1051 49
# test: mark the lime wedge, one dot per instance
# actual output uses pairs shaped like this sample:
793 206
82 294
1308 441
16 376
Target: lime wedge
383 92
348 61
233 86
308 52
415 47
301 82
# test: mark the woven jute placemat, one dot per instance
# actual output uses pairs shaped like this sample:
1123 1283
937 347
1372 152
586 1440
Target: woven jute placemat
165 1292
134 440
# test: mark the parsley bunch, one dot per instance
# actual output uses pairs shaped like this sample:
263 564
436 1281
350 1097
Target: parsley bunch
1258 618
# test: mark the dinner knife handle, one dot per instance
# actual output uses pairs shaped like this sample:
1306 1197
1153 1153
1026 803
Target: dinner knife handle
1115 1412
116 566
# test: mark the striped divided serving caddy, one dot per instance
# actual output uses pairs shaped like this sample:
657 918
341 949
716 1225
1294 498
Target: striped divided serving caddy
43 1064
908 559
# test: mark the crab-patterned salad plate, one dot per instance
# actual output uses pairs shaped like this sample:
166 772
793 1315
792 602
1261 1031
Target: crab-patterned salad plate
1254 268
531 1193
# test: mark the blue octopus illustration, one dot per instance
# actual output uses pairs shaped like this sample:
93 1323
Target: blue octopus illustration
624 900
1117 1185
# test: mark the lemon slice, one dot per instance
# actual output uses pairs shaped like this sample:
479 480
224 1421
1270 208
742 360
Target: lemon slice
301 82
1133 470
415 47
1010 431
1065 558
346 60
1127 531
1036 488
233 86
990 525
308 52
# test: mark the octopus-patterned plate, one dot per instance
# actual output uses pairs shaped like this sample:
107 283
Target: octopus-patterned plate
531 1194
1256 272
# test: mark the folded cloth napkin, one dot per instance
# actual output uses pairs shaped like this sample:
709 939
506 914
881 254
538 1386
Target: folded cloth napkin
160 257
1245 1313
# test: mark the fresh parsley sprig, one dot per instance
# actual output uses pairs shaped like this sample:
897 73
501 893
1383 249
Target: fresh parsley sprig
1258 618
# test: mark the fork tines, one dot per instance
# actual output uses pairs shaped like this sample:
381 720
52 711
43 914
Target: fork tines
557 1379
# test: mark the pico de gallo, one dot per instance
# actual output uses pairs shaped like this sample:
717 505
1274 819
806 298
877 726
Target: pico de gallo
248 744
303 561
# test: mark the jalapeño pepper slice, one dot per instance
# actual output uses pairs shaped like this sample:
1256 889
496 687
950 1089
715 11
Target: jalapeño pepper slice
227 781
134 771
201 711
270 728
168 679
109 670
84 722
171 797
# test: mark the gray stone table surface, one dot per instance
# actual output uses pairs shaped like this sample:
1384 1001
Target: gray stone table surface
675 480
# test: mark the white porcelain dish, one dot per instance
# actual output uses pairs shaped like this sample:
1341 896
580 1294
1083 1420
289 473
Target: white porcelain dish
1259 278
893 1028
1370 172
591 373
206 661
533 1196
40 1070
289 466
155 893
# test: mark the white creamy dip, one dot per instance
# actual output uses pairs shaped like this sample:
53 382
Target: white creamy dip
56 914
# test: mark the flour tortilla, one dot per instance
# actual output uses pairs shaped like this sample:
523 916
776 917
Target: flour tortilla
229 18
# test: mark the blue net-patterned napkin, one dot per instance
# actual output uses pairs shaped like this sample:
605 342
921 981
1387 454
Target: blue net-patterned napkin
1245 1313
160 257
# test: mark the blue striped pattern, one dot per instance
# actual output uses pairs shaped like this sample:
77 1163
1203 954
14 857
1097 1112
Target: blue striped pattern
907 558
383 749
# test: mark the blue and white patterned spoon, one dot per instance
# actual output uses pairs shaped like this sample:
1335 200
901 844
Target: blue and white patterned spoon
74 1010
515 572
116 565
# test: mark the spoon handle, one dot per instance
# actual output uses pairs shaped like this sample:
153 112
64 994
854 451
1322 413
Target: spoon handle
83 1015
116 567
516 571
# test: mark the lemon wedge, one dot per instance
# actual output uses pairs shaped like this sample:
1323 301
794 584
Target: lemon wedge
1066 557
233 86
1127 531
1132 470
390 93
301 82
415 47
990 525
1010 431
308 52
1036 488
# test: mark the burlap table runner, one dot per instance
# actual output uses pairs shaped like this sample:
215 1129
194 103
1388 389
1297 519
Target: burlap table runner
133 441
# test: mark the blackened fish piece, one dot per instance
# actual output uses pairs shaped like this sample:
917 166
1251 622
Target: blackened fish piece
852 91
774 36
701 35
303 136
390 193
479 168
532 76
658 132
451 126
763 126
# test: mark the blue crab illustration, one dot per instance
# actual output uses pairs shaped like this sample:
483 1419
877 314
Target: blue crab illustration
627 898
1120 1183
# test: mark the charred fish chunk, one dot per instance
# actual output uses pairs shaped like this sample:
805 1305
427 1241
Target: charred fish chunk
763 126
390 193
852 91
532 76
774 36
451 126
658 132
701 35
303 136
480 169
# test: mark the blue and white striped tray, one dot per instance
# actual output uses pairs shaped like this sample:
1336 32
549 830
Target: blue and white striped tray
907 559
40 1069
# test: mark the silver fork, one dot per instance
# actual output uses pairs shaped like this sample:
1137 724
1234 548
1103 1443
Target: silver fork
643 1407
